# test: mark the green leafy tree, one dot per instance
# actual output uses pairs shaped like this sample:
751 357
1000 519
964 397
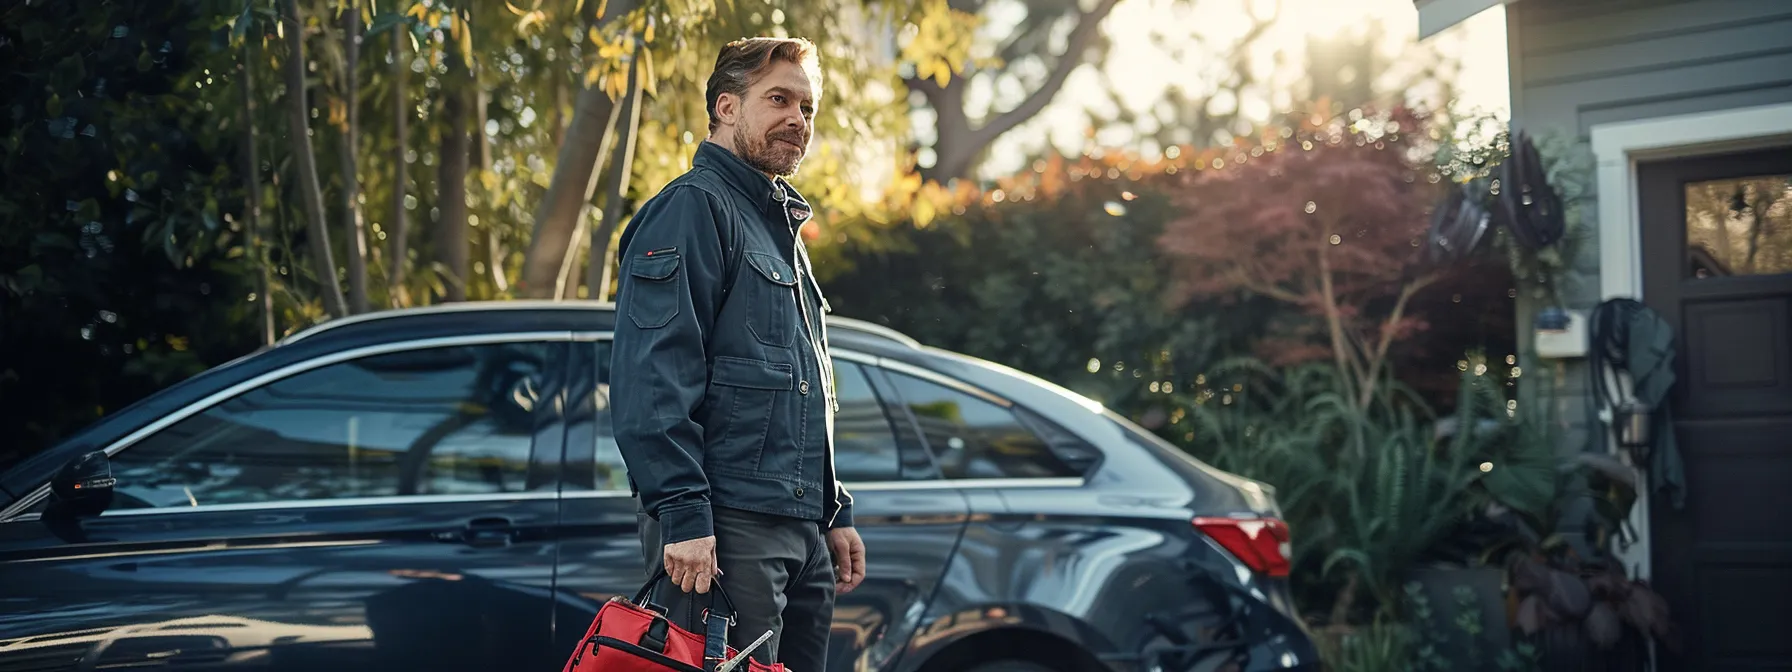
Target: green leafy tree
120 254
1057 273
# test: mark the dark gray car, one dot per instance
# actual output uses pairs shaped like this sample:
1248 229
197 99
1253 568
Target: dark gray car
437 489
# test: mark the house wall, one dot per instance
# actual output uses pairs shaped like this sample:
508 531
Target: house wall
1580 63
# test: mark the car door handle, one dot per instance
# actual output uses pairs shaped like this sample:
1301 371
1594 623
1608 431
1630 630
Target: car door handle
488 532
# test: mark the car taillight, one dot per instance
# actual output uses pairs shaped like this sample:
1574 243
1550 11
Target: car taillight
1260 543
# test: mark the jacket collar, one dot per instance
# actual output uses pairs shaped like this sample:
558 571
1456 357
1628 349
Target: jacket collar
767 193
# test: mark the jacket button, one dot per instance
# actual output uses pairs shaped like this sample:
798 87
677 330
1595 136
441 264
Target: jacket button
802 387
799 493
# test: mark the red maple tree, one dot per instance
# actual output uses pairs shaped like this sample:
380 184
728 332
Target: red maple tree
1328 214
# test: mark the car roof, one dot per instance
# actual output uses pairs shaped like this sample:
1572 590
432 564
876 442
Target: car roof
578 315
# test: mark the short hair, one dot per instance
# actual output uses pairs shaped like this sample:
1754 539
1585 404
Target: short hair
742 61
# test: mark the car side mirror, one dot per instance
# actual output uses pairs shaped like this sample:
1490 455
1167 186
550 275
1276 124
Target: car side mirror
84 486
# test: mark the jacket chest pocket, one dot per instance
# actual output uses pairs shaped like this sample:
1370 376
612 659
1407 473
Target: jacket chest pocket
773 300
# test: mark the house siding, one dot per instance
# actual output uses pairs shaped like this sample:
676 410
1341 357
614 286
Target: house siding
1576 64
1591 63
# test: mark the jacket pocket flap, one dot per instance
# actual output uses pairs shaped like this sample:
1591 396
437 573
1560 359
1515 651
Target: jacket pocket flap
773 268
656 267
753 373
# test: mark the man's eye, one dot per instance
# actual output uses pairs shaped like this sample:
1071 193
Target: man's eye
779 99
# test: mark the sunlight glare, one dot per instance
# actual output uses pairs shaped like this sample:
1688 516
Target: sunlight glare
1157 44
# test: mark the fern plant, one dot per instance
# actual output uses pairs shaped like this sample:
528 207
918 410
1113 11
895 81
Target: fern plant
1407 492
1367 489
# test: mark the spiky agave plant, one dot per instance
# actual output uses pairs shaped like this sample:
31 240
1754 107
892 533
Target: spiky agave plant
1406 492
1368 489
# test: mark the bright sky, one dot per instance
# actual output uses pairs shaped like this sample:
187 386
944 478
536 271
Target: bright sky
1140 69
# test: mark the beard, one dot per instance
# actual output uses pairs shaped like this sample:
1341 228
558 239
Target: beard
767 155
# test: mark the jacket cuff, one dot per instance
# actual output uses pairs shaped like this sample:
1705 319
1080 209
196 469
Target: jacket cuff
685 523
842 516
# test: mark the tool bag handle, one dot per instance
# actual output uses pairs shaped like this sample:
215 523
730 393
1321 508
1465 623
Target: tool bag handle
715 636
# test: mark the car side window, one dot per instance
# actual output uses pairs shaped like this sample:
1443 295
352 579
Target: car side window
971 437
611 472
865 447
431 421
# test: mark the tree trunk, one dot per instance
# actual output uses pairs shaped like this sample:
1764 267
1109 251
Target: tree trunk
399 260
1334 322
1373 372
252 192
482 144
494 248
451 247
604 277
356 225
305 162
958 146
557 122
597 277
575 178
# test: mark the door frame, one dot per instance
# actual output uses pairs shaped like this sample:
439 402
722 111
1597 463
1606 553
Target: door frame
1618 147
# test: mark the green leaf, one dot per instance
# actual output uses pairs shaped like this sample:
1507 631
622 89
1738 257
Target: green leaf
384 22
1346 555
242 24
1528 487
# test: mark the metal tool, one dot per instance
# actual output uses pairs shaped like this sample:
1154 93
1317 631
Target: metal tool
741 657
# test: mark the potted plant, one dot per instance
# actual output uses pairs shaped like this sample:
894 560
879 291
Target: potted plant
1567 593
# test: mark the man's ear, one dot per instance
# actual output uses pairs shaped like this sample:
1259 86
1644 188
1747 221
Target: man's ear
727 107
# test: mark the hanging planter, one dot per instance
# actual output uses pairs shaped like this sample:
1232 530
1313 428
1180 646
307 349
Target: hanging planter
1457 226
1524 201
1533 191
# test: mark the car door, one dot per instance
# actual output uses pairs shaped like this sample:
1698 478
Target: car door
910 521
600 548
371 509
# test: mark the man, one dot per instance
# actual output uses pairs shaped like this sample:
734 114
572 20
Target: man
722 392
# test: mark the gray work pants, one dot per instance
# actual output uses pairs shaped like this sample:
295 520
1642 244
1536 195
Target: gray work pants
780 576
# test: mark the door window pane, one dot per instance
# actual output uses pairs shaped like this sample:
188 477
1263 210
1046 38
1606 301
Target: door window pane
611 472
1739 227
445 420
864 445
974 438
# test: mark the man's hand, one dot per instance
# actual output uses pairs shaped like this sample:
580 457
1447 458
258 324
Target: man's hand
691 564
849 558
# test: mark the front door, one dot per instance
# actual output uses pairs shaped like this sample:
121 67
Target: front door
1717 254
376 513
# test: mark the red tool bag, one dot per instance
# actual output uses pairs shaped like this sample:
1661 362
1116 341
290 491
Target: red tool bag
635 636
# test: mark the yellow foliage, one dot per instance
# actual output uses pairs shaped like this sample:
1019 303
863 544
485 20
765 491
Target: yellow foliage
939 43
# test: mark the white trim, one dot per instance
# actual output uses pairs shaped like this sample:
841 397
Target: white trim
1618 147
1436 16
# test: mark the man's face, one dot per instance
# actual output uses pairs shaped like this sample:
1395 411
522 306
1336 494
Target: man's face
772 125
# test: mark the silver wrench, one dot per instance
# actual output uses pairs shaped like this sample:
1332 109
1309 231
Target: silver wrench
741 657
